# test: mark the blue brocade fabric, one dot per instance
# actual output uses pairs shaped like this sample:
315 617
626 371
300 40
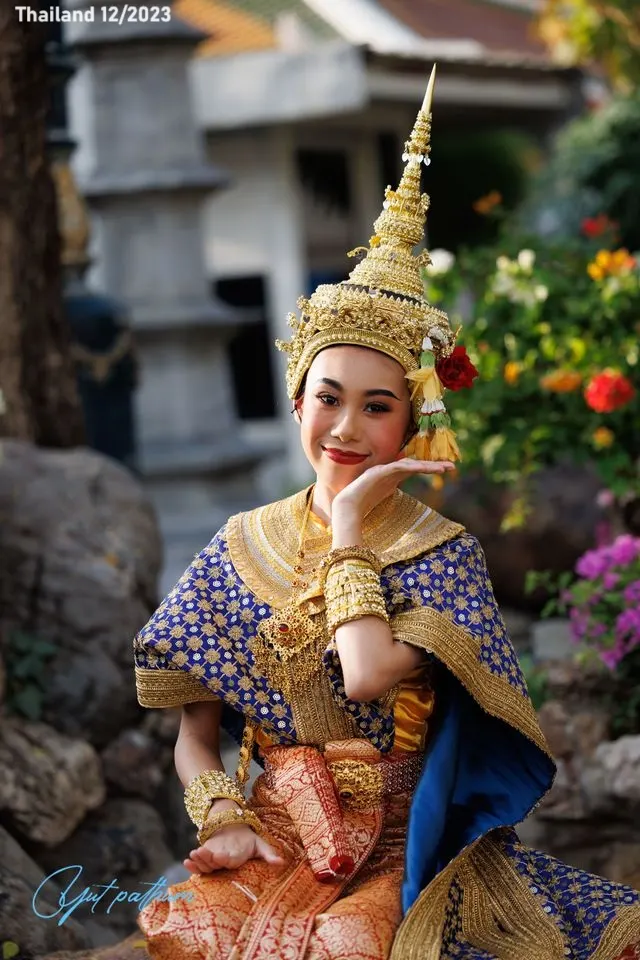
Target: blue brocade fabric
486 765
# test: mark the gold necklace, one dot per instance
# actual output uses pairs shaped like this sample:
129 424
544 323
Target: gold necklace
288 645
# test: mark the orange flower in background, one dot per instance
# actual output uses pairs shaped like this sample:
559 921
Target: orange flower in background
608 391
561 381
602 438
593 227
485 205
512 371
609 263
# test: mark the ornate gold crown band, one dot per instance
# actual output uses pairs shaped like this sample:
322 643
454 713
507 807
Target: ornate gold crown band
382 304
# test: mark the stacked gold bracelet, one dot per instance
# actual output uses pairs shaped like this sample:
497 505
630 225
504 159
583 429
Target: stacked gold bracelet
216 821
208 786
352 587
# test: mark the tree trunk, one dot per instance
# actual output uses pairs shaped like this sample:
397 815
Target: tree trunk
37 376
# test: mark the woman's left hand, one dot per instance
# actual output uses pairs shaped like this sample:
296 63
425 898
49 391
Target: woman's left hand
377 483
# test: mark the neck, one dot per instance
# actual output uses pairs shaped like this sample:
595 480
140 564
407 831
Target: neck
323 498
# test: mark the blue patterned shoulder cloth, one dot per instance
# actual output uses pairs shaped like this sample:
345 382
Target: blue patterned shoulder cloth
198 644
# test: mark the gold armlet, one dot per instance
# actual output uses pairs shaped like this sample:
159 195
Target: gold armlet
351 592
348 553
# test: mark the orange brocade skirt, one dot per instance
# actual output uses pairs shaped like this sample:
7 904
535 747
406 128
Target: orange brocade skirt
303 910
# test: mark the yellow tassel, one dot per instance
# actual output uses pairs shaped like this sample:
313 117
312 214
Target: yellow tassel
444 446
419 447
428 379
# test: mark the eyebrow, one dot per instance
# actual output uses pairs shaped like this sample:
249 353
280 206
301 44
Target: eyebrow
368 393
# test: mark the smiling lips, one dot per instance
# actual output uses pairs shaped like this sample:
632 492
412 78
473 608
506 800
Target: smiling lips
343 456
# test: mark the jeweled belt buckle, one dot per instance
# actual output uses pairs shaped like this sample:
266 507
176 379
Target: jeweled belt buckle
359 785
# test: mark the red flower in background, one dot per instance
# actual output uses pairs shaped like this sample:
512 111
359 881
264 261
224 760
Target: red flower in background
456 372
608 391
593 227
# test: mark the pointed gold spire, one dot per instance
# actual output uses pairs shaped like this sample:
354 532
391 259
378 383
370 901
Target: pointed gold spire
390 264
382 305
428 97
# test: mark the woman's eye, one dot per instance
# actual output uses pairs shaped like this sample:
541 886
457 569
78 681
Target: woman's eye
327 397
378 408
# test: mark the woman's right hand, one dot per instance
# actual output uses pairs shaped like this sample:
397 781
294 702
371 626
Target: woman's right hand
229 848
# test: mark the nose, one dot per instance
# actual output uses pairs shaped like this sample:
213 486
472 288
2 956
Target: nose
345 427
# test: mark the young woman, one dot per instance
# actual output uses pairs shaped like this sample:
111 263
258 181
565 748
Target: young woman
349 636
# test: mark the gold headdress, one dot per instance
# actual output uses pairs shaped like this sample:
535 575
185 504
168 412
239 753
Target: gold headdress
382 304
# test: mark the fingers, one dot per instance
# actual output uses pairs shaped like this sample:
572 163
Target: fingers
201 859
425 466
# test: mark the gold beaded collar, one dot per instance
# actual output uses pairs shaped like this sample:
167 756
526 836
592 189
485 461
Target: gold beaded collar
263 542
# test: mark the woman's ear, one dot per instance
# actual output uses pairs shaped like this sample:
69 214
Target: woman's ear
297 409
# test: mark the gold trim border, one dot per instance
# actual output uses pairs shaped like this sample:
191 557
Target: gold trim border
158 688
491 885
460 651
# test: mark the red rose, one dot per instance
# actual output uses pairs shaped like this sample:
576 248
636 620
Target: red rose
608 391
457 371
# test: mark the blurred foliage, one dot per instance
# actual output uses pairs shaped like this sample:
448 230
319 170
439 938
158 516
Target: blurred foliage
26 661
537 682
466 166
539 327
603 31
594 168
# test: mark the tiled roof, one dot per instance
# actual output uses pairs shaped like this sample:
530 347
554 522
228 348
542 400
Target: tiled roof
499 28
236 26
228 29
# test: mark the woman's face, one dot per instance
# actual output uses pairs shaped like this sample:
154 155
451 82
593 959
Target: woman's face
356 400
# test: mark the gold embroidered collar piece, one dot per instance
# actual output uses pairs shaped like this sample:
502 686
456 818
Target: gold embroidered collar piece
263 542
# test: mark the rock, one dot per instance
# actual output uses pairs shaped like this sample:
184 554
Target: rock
574 737
99 697
129 949
49 781
579 685
614 773
169 802
561 525
162 725
551 640
80 553
20 878
623 863
121 847
519 627
554 721
132 766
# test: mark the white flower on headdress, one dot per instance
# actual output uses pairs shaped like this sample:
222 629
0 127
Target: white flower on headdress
437 334
441 262
526 260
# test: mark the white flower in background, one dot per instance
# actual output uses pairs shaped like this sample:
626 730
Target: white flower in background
526 260
441 262
503 263
541 292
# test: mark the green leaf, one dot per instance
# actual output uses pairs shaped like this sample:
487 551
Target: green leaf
28 702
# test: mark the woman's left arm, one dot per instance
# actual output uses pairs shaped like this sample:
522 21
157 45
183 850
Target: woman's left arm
372 661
